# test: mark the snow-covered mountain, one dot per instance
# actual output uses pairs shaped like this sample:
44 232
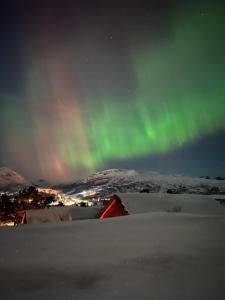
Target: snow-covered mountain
42 183
11 180
114 180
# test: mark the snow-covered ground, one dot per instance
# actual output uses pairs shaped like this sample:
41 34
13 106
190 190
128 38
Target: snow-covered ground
161 202
151 255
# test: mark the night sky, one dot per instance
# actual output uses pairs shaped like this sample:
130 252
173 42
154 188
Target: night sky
89 85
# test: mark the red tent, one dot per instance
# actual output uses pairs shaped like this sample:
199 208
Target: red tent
114 208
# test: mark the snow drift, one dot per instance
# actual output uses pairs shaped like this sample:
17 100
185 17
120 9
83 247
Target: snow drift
143 256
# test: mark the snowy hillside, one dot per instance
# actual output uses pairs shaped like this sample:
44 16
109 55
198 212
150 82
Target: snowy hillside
115 180
10 180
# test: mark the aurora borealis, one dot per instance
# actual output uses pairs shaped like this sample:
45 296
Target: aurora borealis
101 84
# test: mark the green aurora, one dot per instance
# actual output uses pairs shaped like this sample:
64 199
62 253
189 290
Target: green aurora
177 96
180 93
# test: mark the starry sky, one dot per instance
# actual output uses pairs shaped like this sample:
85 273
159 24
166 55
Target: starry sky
89 85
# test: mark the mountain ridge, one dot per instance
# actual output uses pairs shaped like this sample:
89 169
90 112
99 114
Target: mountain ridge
122 180
11 180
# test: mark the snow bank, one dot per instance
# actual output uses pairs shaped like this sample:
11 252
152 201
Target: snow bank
156 202
143 256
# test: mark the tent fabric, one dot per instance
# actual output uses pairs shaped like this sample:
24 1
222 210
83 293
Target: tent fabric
114 208
136 203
